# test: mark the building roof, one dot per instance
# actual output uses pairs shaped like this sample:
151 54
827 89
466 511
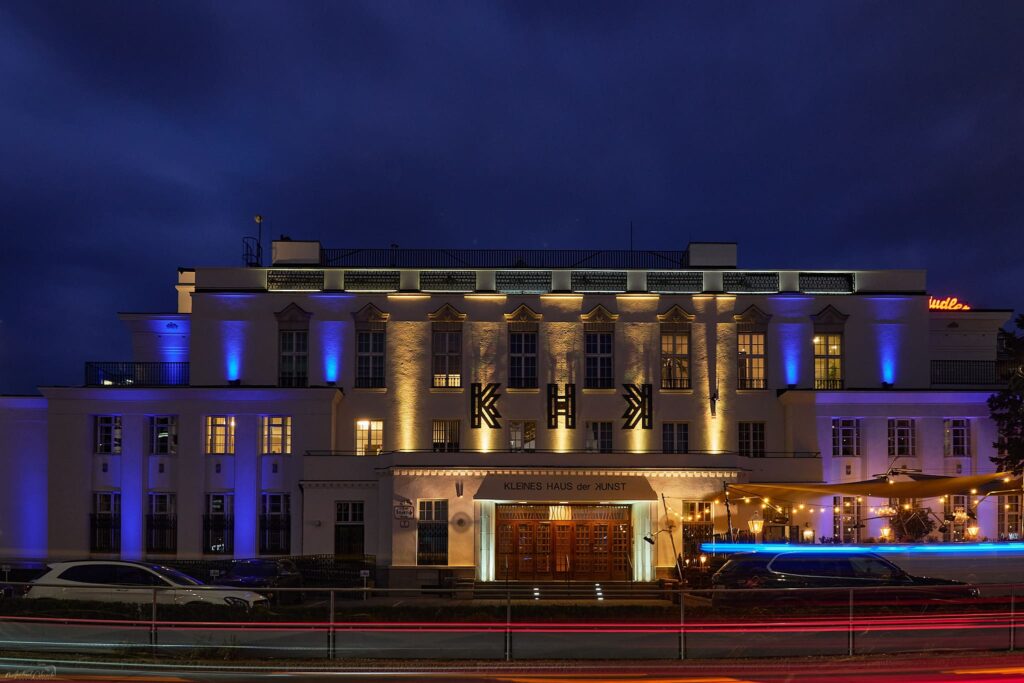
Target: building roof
505 258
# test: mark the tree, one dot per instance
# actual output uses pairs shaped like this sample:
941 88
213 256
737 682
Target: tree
1007 409
911 525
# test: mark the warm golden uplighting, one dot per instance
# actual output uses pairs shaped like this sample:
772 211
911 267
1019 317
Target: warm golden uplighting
408 295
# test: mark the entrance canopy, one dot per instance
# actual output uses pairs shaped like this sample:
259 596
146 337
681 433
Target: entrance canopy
590 488
920 486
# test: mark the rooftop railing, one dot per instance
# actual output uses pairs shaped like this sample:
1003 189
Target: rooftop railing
131 374
580 452
503 258
967 372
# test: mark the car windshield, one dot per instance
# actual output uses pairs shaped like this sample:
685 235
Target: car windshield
175 576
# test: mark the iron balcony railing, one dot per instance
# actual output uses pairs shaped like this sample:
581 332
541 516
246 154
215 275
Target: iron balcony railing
104 533
218 534
161 533
972 371
578 451
504 258
828 384
275 534
132 374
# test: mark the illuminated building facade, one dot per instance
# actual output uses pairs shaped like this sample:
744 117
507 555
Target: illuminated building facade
533 414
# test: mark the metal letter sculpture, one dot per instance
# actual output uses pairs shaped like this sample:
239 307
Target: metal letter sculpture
639 406
562 404
482 408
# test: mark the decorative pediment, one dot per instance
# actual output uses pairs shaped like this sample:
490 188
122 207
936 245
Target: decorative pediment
447 314
370 314
753 317
523 314
676 314
293 317
829 317
599 314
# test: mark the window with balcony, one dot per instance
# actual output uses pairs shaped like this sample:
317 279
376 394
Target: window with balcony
751 439
163 434
447 355
432 533
957 437
827 344
161 523
293 346
675 360
105 522
901 438
445 436
219 524
349 529
220 434
845 437
107 434
599 437
275 524
599 348
522 435
750 360
675 437
275 435
369 437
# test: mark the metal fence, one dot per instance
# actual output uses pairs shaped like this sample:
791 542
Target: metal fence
514 622
131 374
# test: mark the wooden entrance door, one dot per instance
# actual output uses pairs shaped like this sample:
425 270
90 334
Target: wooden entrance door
595 545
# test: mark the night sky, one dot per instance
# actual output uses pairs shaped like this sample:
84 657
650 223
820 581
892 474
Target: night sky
142 136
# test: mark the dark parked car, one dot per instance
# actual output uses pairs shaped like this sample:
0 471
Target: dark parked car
257 574
807 569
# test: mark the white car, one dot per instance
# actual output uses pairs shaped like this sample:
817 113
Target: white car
133 582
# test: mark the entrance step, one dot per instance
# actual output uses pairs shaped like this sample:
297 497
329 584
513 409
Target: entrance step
561 590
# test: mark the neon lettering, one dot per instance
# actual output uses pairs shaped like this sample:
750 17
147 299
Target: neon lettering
950 303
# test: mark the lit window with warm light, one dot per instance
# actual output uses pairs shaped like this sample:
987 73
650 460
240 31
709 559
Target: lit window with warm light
220 434
675 358
522 436
275 434
828 361
447 355
369 437
750 360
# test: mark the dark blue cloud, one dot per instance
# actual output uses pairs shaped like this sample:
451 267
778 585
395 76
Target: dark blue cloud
143 136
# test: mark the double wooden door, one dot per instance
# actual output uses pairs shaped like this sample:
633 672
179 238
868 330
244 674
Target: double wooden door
595 543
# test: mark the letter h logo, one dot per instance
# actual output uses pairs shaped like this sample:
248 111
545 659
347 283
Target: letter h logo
639 400
482 408
562 404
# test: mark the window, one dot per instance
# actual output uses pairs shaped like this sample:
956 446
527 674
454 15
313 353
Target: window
105 522
752 439
675 437
750 356
220 434
446 436
275 435
957 437
675 359
598 360
275 524
163 434
348 528
107 434
91 573
828 361
161 524
370 359
447 354
369 437
867 567
522 360
599 437
432 532
901 438
219 524
845 437
1009 522
294 358
955 517
846 522
522 435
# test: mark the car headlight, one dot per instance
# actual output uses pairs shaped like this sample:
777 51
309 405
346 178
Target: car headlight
236 601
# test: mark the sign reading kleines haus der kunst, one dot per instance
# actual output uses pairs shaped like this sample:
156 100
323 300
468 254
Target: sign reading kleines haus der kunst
564 488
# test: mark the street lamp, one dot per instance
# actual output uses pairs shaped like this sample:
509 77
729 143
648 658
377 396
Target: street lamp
885 533
972 530
755 524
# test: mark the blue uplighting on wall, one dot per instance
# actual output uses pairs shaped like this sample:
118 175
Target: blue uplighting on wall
330 343
132 506
888 338
233 333
894 548
791 341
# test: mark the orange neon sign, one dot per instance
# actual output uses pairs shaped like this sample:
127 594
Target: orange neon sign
950 303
